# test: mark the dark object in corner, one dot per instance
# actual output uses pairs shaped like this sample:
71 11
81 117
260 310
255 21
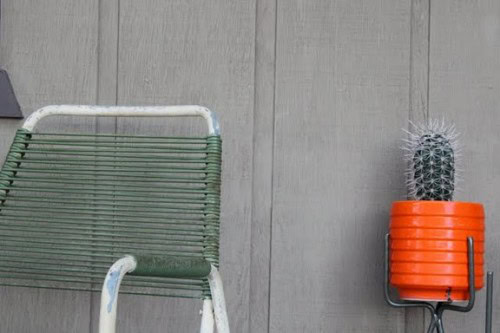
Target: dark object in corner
9 107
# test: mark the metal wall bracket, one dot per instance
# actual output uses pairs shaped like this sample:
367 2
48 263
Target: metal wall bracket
9 107
438 309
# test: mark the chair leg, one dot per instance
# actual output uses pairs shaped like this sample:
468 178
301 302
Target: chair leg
109 294
207 317
221 320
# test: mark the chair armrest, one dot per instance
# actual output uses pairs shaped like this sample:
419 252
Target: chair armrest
171 267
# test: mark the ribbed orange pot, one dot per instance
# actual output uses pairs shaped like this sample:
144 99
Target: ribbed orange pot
428 249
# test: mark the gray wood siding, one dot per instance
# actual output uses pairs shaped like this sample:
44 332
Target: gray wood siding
312 96
341 101
49 50
464 88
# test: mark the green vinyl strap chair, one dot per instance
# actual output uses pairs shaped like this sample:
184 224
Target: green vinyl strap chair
77 208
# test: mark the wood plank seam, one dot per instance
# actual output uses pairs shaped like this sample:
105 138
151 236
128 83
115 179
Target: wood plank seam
106 85
263 142
415 319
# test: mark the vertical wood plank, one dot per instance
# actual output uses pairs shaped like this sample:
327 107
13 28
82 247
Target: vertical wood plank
464 89
415 319
49 49
419 60
342 87
107 76
108 52
265 66
191 52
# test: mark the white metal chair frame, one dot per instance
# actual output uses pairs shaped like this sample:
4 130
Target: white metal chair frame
109 295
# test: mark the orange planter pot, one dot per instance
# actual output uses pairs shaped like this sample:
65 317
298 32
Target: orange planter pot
429 248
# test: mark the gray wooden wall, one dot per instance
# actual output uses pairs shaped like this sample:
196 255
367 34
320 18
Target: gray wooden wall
312 96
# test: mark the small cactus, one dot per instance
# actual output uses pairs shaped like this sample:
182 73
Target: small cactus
431 153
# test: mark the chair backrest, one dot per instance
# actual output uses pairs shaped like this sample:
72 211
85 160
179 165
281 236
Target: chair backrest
71 204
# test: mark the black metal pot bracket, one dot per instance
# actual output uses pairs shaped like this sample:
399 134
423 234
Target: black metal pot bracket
438 309
9 107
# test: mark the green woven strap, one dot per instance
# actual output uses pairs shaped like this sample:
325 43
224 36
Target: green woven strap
72 204
171 267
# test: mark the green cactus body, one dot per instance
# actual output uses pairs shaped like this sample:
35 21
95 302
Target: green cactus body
431 156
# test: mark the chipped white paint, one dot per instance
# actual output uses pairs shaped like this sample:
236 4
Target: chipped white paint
109 294
207 317
221 320
125 111
111 288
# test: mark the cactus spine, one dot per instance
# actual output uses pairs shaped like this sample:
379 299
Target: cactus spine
431 153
